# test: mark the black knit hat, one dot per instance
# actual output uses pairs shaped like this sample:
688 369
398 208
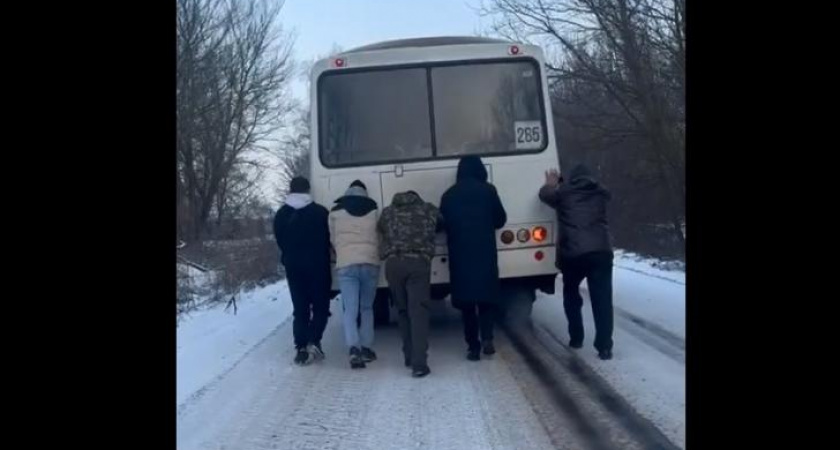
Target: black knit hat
299 185
359 184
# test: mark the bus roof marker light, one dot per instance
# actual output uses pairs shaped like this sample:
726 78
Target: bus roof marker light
513 50
339 62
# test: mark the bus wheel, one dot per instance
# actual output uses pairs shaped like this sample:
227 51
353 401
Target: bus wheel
518 303
382 308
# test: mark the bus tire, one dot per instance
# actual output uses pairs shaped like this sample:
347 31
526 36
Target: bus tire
518 303
382 308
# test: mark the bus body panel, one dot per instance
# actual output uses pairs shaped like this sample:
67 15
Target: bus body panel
517 177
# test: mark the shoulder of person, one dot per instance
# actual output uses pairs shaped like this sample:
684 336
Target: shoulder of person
446 197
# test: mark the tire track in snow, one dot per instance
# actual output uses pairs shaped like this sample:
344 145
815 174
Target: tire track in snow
667 343
600 415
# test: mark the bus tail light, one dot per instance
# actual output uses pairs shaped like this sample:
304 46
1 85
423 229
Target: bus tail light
539 255
507 237
539 234
523 235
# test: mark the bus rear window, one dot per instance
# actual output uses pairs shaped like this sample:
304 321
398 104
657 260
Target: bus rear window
487 108
371 117
381 116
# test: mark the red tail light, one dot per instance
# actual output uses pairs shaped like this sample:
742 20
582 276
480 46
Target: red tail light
539 234
539 256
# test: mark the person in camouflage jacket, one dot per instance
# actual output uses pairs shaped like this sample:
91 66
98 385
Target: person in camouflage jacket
408 229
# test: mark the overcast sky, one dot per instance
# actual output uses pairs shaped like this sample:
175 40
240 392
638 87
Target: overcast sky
320 25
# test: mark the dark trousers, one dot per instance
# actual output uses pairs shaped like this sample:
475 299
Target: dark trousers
410 282
478 317
596 268
311 299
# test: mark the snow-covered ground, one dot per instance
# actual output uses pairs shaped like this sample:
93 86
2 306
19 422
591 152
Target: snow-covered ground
212 340
670 270
648 368
237 387
266 402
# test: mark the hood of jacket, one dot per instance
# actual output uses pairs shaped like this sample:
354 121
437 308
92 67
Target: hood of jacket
355 201
471 168
406 199
298 201
581 178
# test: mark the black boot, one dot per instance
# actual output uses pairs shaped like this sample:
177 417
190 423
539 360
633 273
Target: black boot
488 348
420 371
473 354
302 357
356 361
368 355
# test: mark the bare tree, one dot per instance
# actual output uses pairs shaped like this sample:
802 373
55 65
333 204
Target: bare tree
233 68
294 152
237 191
618 67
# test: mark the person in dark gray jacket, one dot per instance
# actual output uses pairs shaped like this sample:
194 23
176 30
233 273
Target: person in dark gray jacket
584 250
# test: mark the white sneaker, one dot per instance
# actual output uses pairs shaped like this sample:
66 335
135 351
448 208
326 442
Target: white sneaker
315 351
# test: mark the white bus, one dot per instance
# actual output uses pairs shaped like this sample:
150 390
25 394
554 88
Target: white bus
398 115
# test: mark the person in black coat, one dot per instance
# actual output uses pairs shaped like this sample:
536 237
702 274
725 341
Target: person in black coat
302 233
472 212
584 250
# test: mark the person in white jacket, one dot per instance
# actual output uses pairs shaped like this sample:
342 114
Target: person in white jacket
352 223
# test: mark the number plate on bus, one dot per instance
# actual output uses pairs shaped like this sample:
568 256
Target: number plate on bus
528 134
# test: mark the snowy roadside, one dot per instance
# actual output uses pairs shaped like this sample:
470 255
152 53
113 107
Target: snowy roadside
211 340
668 270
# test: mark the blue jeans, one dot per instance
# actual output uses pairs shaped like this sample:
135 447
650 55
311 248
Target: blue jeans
358 289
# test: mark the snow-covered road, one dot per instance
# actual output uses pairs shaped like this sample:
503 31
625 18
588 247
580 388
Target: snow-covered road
238 389
266 402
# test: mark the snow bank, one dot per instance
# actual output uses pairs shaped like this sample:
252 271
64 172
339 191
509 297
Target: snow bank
211 340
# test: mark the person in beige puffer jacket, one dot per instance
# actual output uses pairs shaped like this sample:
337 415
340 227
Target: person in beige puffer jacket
352 223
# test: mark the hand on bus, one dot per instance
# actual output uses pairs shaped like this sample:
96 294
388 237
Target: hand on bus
552 177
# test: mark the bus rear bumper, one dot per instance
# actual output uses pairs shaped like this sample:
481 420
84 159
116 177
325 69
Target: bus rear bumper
529 267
